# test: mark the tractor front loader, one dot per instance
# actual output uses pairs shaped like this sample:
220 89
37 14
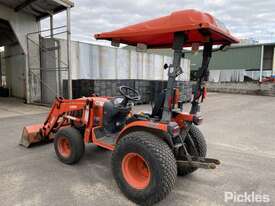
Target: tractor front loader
149 150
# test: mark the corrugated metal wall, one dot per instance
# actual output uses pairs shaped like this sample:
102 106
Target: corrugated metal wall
100 62
15 61
2 70
233 59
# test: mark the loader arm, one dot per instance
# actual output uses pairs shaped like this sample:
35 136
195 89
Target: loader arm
59 109
60 115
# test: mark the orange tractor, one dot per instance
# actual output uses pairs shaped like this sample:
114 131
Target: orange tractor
149 150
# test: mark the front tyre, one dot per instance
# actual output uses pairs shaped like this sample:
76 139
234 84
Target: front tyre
69 145
144 168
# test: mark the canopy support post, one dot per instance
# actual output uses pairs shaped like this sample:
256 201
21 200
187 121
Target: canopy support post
174 71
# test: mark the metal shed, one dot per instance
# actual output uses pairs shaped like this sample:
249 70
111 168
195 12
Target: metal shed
239 57
257 58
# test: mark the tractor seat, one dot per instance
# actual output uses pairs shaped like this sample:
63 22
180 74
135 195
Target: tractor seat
115 114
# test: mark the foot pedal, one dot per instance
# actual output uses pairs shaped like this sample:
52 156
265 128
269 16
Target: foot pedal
104 136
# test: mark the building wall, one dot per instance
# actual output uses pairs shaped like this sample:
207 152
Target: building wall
1 70
15 61
21 24
235 63
100 62
15 55
268 57
265 89
94 62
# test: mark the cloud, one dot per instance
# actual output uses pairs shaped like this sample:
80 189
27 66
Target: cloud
244 18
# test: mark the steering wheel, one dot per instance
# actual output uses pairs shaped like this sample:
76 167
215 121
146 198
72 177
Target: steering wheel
129 93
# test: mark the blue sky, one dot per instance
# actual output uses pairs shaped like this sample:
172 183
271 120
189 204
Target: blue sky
244 18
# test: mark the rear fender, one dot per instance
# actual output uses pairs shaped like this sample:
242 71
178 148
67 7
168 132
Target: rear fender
159 129
182 117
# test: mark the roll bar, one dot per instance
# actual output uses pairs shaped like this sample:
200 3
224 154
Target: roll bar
202 76
175 70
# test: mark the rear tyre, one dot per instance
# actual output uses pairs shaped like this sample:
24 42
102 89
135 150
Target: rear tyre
200 145
144 168
69 145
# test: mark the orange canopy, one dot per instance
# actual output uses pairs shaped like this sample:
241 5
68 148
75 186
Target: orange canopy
159 32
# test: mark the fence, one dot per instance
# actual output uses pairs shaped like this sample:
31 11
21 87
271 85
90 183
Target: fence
48 65
100 62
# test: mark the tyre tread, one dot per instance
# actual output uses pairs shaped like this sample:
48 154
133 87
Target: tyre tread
162 152
77 143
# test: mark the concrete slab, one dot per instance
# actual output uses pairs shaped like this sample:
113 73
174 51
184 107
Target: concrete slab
10 107
239 130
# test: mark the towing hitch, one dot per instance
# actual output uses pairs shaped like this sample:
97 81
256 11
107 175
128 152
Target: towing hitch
200 162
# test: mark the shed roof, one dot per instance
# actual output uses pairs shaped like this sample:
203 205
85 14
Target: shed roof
38 8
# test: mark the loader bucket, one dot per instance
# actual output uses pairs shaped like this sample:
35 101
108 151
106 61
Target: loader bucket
31 134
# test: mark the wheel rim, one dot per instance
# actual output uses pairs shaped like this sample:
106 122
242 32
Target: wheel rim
136 171
64 147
